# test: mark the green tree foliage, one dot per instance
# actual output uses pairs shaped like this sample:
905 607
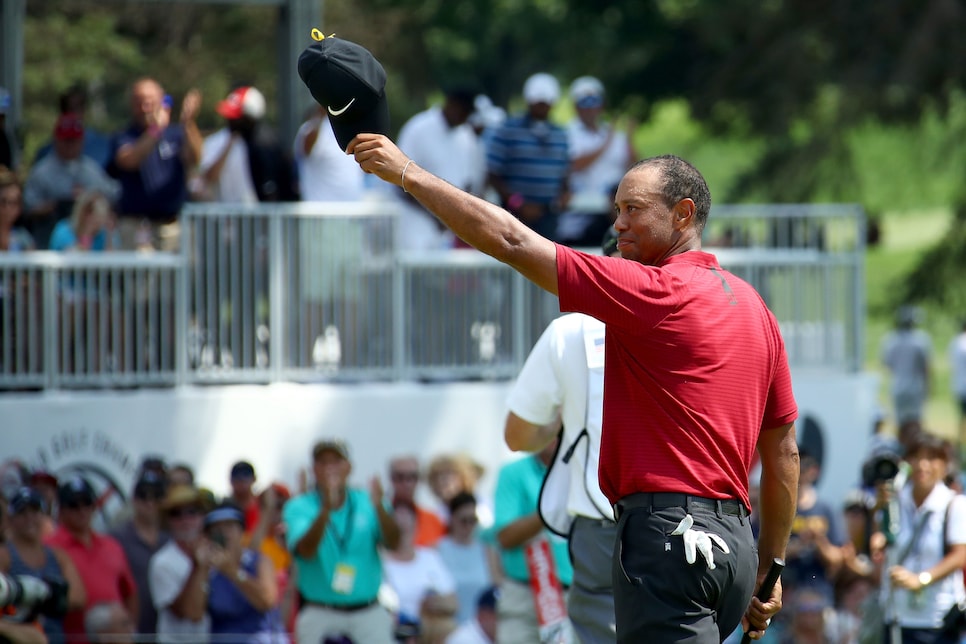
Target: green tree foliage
812 84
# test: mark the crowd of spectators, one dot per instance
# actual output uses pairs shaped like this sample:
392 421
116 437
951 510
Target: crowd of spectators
161 159
91 191
431 559
327 562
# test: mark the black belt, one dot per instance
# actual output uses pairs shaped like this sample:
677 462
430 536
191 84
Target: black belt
343 608
596 522
658 500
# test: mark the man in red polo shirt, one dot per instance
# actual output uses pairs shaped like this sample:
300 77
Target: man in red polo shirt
99 559
696 378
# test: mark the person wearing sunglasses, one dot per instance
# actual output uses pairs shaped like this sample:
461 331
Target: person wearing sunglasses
141 537
25 553
99 558
178 573
404 479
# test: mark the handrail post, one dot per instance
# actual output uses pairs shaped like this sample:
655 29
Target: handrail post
276 339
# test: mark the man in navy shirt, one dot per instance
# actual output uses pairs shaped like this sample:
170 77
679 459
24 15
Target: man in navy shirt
151 159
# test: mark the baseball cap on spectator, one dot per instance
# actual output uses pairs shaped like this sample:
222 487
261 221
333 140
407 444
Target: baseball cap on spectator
243 470
485 113
487 598
856 500
331 445
27 497
282 493
69 127
244 101
75 491
154 464
40 477
541 88
587 92
150 485
347 80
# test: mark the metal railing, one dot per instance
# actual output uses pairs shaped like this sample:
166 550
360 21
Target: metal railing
316 292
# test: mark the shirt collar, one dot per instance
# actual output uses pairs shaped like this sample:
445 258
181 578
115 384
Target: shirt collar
695 257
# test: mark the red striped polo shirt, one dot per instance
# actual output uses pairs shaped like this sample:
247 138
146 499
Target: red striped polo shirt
695 367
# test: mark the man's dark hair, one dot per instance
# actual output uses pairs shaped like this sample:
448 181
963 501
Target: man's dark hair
461 499
73 99
681 181
462 96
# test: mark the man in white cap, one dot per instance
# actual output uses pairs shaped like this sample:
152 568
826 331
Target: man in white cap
528 159
599 157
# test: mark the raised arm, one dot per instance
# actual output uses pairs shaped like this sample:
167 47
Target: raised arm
479 223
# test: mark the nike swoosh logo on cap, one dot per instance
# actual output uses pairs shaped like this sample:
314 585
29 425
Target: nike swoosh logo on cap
339 112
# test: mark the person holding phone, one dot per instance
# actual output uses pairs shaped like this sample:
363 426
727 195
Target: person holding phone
242 590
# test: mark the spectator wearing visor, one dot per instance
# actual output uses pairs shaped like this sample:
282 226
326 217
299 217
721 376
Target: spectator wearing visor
24 553
141 537
99 558
243 594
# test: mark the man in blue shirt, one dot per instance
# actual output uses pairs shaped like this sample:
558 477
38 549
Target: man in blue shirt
334 532
151 159
528 159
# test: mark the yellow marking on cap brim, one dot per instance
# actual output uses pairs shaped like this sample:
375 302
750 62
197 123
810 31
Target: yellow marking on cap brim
318 36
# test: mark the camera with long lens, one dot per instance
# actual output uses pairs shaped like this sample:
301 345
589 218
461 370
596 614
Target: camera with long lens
24 598
880 468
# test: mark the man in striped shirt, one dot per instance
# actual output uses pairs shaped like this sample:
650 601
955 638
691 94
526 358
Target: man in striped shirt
528 160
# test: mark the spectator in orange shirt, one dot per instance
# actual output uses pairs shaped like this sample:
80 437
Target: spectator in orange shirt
268 538
404 477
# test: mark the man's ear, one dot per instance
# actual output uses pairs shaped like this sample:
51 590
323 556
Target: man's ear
684 213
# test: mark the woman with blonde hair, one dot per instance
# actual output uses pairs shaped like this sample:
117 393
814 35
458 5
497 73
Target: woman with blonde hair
89 227
450 474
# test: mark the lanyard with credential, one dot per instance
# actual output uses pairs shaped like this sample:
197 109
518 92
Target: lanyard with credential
342 539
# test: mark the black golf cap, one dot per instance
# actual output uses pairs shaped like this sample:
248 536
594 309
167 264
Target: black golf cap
349 82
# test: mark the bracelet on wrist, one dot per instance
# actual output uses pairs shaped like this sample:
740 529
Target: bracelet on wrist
402 178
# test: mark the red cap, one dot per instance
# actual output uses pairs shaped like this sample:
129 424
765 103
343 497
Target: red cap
69 127
244 101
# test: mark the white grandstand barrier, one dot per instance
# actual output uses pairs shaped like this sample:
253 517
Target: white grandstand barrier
316 292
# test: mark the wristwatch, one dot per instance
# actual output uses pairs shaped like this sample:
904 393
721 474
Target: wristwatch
241 575
925 579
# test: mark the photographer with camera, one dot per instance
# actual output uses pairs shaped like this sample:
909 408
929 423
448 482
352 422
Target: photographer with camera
24 553
22 600
922 579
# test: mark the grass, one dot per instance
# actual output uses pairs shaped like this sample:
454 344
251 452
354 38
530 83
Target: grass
905 237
